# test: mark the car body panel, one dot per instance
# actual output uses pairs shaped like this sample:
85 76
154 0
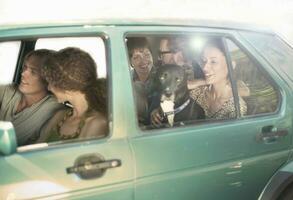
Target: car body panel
43 173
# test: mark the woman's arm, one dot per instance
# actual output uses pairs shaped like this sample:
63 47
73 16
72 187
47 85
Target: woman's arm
95 127
195 83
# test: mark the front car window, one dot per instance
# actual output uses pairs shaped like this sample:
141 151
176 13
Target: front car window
95 93
77 72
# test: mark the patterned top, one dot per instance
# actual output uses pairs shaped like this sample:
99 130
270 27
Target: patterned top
227 110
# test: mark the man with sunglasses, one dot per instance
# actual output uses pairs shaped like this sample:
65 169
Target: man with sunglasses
171 51
176 50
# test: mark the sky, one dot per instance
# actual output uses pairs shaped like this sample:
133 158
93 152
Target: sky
276 14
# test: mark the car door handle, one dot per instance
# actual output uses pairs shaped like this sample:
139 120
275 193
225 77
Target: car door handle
92 166
270 134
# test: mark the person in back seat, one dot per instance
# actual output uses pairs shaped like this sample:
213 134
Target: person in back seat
143 73
72 77
216 96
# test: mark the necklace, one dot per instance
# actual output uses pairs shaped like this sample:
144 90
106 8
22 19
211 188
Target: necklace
78 130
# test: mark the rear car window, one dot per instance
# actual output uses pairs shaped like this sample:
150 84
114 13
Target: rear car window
181 80
274 50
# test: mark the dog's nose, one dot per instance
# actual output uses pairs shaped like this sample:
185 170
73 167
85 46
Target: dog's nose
168 92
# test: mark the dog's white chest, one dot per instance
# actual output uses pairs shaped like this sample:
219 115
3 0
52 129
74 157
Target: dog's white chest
168 107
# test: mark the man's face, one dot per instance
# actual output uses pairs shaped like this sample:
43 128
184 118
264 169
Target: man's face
31 82
170 56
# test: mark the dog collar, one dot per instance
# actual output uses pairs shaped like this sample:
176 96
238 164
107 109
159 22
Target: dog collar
180 108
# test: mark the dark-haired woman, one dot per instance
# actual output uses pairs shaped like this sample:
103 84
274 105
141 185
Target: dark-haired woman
72 77
215 96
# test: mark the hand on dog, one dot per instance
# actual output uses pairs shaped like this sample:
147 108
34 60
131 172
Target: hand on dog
156 118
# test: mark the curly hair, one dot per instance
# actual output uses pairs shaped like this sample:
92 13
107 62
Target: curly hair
73 69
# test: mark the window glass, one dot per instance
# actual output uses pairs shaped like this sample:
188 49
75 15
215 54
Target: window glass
274 50
180 80
253 86
8 58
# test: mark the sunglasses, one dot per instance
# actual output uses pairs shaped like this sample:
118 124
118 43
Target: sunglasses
170 51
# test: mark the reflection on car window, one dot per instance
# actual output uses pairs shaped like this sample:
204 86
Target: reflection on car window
260 94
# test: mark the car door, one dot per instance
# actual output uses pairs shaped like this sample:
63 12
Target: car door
81 169
220 159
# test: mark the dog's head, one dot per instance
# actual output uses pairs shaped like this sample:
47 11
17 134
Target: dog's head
172 82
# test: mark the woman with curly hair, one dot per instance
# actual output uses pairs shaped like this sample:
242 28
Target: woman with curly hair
72 77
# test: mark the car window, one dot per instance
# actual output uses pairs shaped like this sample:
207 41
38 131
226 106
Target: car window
259 93
68 90
180 80
9 52
274 50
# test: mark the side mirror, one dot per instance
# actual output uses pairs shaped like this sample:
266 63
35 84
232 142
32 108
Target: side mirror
8 144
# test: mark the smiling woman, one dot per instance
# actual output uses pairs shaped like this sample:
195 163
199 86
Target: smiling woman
216 97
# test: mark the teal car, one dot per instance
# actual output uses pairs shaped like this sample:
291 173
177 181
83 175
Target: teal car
245 157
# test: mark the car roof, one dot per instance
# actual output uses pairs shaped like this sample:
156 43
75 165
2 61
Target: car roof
142 22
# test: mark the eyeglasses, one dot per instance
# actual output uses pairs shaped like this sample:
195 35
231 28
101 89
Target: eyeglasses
170 51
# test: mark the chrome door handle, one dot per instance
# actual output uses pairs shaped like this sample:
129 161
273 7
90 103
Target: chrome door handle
92 166
270 134
98 166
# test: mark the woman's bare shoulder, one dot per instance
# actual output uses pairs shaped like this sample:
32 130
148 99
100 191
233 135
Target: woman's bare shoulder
96 125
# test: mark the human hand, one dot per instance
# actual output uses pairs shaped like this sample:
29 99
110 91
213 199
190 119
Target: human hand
156 118
192 84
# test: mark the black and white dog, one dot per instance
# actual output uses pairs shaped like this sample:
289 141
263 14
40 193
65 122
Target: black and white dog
176 106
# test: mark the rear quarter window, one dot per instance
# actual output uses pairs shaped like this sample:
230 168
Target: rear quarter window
275 51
